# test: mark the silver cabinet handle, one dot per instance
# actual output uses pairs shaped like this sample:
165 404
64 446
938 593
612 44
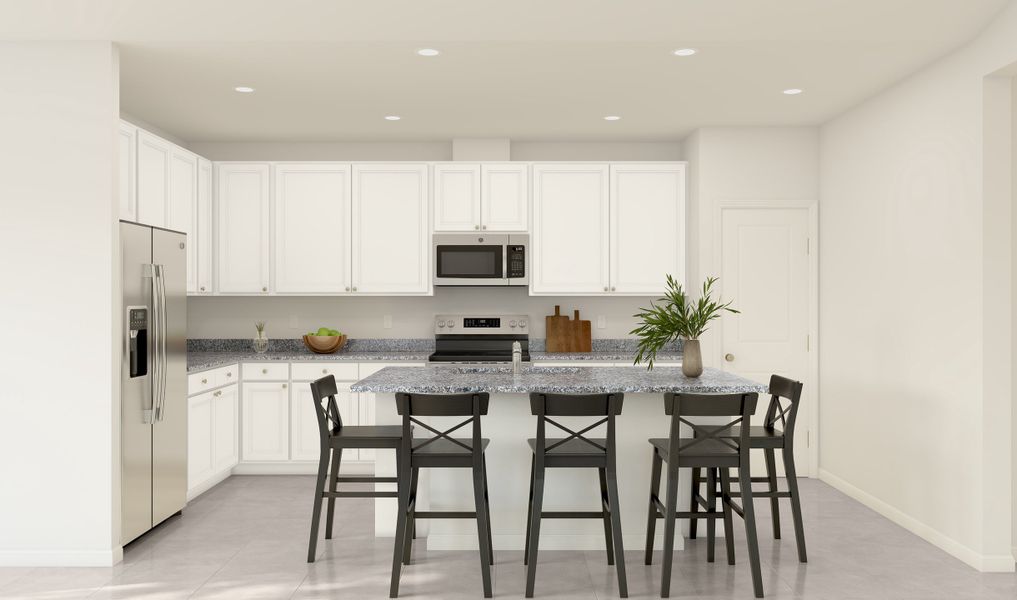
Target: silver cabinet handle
203 288
483 227
613 288
219 393
729 357
264 289
605 288
204 381
476 226
347 288
284 386
229 374
264 371
324 371
354 288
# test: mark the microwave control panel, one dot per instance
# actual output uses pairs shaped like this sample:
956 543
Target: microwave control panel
516 261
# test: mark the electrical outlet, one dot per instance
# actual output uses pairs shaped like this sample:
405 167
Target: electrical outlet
601 322
294 322
387 321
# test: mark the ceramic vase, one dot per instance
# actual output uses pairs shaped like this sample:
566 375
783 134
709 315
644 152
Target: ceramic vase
692 359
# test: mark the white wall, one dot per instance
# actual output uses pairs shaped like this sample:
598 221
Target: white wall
59 503
412 317
912 262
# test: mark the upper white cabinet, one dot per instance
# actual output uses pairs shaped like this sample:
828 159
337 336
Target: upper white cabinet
312 228
242 228
201 234
474 197
390 229
153 172
571 231
647 226
182 206
127 140
504 197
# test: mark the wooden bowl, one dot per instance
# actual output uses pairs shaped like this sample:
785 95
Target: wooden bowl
324 344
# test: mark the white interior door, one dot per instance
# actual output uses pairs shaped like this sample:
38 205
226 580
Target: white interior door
765 270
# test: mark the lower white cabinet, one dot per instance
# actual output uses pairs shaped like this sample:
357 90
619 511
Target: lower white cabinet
199 439
225 419
304 437
212 449
265 414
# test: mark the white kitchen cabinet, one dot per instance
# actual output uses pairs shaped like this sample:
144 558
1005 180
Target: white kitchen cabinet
201 236
481 196
312 228
200 462
367 400
265 421
127 140
647 226
457 197
225 424
505 197
391 229
243 228
153 172
182 206
570 251
304 438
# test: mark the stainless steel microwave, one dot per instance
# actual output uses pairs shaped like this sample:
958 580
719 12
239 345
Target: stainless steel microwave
481 259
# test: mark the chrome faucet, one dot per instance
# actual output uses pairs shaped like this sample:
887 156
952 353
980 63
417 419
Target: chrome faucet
517 358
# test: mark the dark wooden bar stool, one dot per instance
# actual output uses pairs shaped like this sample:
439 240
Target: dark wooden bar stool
334 438
785 395
576 450
712 449
441 451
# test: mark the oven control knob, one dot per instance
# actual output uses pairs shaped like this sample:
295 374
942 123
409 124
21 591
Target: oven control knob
512 323
451 323
522 323
441 323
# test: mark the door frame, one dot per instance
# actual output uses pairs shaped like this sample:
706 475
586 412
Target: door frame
812 382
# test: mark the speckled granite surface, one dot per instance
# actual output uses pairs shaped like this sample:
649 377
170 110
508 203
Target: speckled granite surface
296 345
200 361
568 380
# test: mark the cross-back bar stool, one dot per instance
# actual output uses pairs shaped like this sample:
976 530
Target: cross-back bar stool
441 451
576 450
712 448
334 437
785 396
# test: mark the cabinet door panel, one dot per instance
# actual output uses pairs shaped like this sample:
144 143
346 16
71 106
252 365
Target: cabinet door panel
570 229
183 206
305 440
265 418
153 178
199 439
391 232
505 197
128 146
456 197
312 228
647 227
225 421
243 228
202 224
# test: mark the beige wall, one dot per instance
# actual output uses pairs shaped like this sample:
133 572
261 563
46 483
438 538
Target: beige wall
911 255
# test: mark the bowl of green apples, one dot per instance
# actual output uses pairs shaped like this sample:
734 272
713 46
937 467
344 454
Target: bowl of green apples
325 341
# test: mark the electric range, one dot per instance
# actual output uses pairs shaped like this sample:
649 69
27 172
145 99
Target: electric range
476 339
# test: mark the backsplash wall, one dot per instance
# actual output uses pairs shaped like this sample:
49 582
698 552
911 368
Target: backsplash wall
412 317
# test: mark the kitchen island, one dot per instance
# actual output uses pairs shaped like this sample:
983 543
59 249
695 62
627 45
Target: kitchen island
509 423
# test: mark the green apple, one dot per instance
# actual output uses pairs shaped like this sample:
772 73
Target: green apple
323 331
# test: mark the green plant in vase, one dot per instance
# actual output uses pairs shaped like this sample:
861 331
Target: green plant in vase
676 316
261 341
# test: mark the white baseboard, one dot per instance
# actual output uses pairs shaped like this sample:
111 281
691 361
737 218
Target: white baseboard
437 541
306 467
61 558
208 484
983 562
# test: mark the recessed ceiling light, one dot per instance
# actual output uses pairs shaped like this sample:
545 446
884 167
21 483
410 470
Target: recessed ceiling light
612 118
685 51
243 89
792 91
392 117
428 52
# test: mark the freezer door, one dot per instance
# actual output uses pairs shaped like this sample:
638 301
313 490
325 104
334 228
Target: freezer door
169 433
135 392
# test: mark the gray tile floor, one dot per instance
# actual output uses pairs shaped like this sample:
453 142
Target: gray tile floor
247 538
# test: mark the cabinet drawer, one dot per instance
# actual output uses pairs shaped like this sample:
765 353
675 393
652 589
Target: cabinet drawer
227 375
201 382
315 370
266 371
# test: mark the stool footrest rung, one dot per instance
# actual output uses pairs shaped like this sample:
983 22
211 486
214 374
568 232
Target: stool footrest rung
430 514
350 479
360 494
572 515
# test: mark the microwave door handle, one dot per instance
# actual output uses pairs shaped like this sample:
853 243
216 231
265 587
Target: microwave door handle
504 263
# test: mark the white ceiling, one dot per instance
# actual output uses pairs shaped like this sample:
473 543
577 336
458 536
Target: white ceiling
330 70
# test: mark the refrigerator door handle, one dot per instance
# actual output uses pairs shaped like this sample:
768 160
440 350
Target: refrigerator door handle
161 315
152 272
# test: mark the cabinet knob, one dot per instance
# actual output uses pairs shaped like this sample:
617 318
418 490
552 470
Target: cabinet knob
203 288
605 288
229 374
347 288
204 381
476 226
264 371
219 393
729 357
284 386
354 288
483 226
613 288
264 289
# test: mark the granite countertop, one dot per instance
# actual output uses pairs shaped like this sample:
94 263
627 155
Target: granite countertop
615 356
567 380
201 361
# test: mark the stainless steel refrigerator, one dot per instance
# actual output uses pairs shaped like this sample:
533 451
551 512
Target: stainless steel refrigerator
153 381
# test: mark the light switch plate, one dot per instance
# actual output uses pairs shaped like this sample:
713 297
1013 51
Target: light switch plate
601 322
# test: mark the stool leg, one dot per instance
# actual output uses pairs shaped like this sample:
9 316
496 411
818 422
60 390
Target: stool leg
670 508
403 468
711 508
771 479
607 516
411 517
619 548
319 488
482 524
333 482
487 507
745 485
651 519
694 504
529 514
535 509
796 502
725 501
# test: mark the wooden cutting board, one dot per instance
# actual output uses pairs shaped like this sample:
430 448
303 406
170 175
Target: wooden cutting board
558 331
582 335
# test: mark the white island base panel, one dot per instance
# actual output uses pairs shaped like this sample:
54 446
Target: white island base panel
508 425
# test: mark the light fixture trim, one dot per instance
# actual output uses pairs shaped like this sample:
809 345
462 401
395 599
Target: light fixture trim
428 52
243 89
793 91
612 118
685 52
392 117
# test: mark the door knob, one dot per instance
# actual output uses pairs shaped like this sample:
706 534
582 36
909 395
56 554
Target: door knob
729 357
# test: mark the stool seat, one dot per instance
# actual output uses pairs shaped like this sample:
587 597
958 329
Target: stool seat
573 447
759 436
446 448
717 454
391 432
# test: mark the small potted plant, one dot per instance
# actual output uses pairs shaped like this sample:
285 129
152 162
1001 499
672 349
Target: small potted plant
677 316
260 342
